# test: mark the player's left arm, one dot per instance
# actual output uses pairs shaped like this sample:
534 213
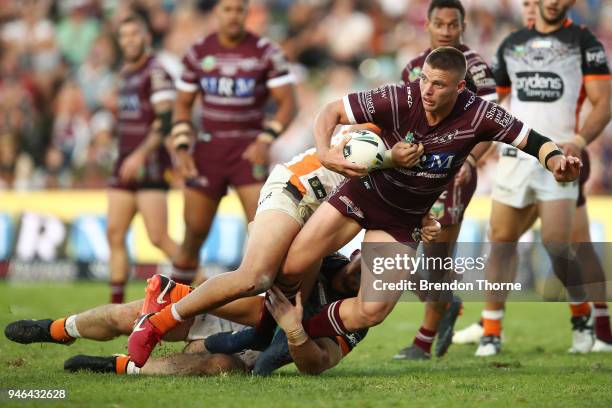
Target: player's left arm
162 99
596 79
599 94
311 356
551 157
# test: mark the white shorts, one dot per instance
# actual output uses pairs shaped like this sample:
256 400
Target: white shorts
205 325
521 180
275 195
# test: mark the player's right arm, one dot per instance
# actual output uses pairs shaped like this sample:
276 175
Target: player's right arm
310 356
332 115
182 135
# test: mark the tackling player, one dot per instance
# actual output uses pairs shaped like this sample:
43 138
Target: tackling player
235 73
339 278
446 25
539 67
138 184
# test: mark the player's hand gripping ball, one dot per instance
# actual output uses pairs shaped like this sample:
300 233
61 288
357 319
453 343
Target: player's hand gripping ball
365 148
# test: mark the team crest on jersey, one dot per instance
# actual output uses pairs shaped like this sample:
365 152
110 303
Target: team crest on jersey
208 63
409 138
414 74
437 210
351 208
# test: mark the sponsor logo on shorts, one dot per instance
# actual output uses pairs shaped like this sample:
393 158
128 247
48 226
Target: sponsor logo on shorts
317 187
201 181
351 208
539 86
264 199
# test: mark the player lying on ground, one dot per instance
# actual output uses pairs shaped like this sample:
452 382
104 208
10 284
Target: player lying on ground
338 279
292 192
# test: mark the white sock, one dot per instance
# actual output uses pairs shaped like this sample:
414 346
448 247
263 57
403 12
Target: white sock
493 314
131 369
175 313
71 327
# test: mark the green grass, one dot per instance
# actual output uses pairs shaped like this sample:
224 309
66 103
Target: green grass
534 369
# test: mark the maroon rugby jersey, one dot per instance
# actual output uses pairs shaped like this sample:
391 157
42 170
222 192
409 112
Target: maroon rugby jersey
477 68
398 111
139 90
233 82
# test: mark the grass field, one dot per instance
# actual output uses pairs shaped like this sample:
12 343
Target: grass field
534 369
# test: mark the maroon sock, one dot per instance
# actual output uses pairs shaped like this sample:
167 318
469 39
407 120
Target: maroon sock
602 322
424 339
183 275
117 292
326 323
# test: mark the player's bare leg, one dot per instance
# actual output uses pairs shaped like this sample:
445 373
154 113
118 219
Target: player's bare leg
326 231
595 277
121 210
435 311
557 224
270 237
202 364
198 213
505 229
152 205
249 196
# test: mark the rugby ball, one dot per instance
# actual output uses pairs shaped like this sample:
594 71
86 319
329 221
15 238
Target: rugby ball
365 148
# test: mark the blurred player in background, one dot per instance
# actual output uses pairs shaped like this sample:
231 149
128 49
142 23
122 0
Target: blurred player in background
235 73
138 184
540 67
446 25
592 269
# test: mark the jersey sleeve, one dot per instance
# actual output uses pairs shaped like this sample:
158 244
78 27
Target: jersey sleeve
500 70
381 106
494 123
188 81
483 79
278 73
162 88
594 60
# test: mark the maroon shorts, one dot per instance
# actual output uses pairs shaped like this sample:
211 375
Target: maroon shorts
585 172
154 176
452 203
363 205
220 164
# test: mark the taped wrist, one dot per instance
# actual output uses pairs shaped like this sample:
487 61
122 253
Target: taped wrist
273 128
540 146
181 133
297 337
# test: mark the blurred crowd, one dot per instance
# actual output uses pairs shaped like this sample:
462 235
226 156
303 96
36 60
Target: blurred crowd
59 63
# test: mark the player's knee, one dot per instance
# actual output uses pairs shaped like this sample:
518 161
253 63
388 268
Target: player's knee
121 318
115 236
255 282
371 316
157 239
502 234
218 364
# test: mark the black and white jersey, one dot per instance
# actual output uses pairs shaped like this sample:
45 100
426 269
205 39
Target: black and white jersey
545 74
